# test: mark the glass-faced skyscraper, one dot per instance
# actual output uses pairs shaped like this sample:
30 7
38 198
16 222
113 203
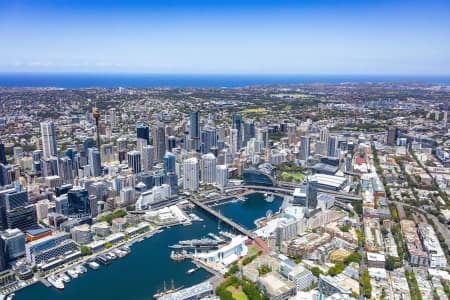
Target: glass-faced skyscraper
159 141
78 199
237 124
209 140
134 161
95 162
143 132
195 130
48 139
169 162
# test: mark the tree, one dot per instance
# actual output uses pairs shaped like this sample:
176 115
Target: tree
336 269
316 271
85 250
365 282
264 269
391 263
345 228
354 257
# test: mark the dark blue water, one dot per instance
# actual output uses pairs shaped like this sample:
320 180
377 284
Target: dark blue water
246 212
86 80
142 273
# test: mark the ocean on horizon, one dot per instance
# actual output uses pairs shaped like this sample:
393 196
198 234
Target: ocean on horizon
93 80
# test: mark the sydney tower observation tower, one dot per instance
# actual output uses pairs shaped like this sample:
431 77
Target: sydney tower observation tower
96 115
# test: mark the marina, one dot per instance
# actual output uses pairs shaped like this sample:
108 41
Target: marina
137 270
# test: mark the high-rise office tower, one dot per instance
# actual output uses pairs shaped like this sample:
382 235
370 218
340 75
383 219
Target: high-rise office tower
14 241
195 130
78 201
134 161
95 163
71 153
107 153
445 119
209 140
222 175
2 154
49 166
262 134
13 198
16 211
324 134
122 148
122 144
305 142
147 158
291 129
332 146
159 142
393 135
65 169
171 143
140 144
48 138
23 218
234 136
191 174
249 131
237 124
143 132
311 192
3 258
169 162
112 118
172 180
208 172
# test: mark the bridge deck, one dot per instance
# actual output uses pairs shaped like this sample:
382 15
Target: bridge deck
223 218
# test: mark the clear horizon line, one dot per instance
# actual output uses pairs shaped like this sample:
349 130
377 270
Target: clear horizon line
219 73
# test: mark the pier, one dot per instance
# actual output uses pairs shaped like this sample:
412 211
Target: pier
224 219
233 224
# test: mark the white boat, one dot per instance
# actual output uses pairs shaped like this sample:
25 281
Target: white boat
73 273
241 198
190 271
80 269
10 296
57 283
94 265
64 277
270 198
112 255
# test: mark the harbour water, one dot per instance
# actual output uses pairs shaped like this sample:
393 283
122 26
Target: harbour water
142 273
246 212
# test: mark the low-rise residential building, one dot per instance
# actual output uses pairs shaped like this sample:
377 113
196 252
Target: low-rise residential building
277 287
430 242
331 285
416 253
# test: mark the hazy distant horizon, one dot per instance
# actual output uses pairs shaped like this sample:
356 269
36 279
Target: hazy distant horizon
149 80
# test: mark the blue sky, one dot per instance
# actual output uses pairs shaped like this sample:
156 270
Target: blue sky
206 36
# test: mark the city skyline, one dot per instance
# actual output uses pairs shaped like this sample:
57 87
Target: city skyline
204 37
